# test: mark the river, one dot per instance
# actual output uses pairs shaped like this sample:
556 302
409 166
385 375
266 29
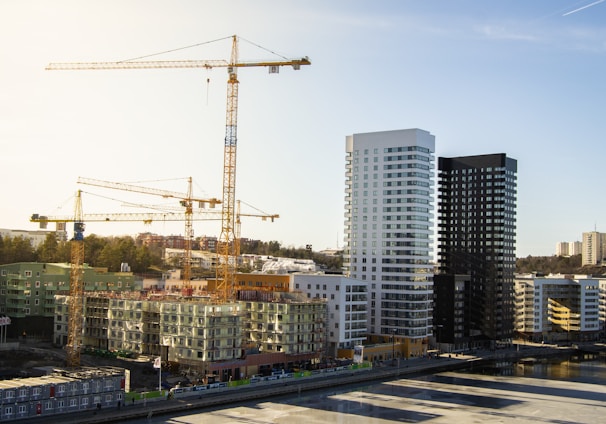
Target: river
559 391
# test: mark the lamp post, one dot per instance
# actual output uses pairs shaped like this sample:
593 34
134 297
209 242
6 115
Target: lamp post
439 326
393 344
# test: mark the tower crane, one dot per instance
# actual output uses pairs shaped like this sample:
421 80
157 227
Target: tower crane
186 199
227 244
76 288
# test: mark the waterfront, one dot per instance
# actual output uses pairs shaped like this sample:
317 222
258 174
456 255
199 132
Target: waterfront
546 391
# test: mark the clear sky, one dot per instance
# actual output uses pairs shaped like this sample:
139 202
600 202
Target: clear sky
526 78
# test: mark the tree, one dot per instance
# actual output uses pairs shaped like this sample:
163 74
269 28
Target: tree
17 249
48 250
93 246
550 264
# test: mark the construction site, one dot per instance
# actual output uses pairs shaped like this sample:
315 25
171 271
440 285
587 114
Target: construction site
222 333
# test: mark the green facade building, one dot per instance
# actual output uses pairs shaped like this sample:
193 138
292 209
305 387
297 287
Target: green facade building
28 289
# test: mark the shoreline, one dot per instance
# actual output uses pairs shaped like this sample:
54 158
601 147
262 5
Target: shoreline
261 390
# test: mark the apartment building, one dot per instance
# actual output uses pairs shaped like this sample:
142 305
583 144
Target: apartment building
559 307
569 248
476 237
593 248
347 307
28 289
178 330
283 322
64 391
210 337
388 229
35 237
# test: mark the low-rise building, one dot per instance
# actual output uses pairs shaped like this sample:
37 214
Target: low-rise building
63 391
558 307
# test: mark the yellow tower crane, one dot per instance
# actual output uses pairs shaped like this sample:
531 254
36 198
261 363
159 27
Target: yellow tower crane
187 201
227 244
76 288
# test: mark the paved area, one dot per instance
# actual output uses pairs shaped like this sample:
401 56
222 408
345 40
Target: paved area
435 399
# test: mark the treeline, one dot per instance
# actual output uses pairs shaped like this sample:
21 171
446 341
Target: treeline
551 265
107 252
111 252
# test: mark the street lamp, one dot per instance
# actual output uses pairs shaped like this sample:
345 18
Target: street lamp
393 344
439 326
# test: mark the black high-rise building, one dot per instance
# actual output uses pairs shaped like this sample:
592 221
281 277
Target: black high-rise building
476 239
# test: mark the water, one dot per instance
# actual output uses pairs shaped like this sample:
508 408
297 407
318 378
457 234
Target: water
561 391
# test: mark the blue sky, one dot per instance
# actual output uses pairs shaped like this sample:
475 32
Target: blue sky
526 78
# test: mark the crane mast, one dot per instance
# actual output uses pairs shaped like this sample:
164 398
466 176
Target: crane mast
76 288
189 236
227 240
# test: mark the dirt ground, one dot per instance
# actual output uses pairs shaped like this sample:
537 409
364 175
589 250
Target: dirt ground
24 361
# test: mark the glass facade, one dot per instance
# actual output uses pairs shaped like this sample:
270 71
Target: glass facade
476 237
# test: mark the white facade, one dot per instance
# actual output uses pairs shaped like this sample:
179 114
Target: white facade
347 302
199 258
594 244
388 227
559 307
569 248
275 265
36 237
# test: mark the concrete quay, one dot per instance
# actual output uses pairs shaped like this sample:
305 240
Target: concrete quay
269 389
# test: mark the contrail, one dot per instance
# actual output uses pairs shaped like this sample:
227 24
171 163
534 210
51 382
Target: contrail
584 7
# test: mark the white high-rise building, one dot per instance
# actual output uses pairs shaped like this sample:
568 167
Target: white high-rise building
388 228
568 248
593 248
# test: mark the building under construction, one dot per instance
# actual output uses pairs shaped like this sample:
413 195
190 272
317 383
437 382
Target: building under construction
230 340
